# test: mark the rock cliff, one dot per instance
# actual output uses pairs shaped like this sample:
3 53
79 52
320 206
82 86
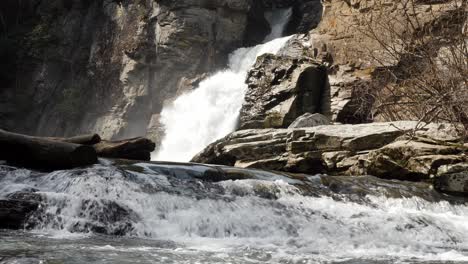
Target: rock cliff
280 89
108 66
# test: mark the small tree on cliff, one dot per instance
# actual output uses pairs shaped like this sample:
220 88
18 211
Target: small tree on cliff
421 53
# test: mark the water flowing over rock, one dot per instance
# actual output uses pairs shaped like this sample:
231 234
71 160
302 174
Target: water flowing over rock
14 213
313 180
160 207
211 111
379 149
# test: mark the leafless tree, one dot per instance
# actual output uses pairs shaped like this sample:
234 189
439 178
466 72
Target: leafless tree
421 57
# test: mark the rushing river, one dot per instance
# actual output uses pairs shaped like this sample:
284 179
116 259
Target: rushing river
185 213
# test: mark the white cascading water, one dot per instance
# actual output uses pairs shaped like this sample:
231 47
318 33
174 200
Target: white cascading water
229 222
209 112
167 214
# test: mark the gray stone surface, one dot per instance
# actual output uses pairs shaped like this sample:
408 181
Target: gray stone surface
310 120
108 66
280 89
379 149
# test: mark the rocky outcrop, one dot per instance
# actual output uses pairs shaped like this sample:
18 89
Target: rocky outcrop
452 179
306 16
280 89
15 213
358 64
109 66
387 150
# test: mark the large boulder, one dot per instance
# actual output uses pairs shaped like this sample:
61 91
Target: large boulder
14 213
452 179
310 120
380 149
280 89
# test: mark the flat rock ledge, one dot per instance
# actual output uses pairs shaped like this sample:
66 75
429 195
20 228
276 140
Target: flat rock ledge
391 150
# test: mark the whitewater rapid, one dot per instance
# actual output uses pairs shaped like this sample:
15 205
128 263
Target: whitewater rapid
267 218
199 117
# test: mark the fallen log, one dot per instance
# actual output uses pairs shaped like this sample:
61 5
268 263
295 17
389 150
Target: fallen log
40 153
134 149
89 139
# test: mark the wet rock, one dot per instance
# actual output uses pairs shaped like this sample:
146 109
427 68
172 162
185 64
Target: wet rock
15 213
357 188
105 217
453 183
280 89
28 194
452 179
310 120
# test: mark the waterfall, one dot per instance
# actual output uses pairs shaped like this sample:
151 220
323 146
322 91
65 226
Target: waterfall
209 112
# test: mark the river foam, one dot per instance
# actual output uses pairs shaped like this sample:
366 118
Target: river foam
246 220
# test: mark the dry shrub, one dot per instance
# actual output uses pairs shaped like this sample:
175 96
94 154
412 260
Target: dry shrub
422 60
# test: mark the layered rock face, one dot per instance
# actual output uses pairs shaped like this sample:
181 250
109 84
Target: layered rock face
380 149
280 89
108 66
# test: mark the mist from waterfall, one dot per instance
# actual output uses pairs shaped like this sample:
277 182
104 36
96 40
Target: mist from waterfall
211 111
